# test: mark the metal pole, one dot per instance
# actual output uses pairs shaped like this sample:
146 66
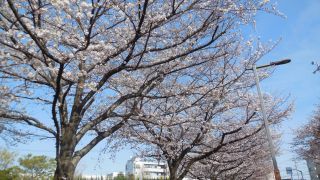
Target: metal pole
266 125
301 174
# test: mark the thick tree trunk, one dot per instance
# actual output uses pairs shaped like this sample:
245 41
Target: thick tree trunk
66 171
67 162
67 167
173 172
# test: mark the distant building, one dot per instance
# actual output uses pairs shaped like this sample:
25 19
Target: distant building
314 170
147 169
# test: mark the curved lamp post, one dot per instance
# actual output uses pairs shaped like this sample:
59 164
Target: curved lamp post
289 171
266 124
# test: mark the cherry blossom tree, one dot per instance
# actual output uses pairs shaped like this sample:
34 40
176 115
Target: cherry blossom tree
247 160
3 103
307 141
93 66
220 123
8 132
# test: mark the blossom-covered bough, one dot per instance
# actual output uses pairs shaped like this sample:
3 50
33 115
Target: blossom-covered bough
307 141
8 132
215 128
100 66
242 160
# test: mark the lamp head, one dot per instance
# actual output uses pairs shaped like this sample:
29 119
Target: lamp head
276 63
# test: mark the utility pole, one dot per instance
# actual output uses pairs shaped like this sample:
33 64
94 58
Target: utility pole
265 120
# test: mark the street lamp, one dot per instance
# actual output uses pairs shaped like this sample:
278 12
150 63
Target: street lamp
266 124
289 171
300 172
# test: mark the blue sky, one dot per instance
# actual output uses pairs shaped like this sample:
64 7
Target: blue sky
300 34
301 43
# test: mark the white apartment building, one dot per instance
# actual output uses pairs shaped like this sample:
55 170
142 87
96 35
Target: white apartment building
140 168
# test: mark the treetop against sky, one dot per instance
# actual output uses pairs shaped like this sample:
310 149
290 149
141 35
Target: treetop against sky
107 65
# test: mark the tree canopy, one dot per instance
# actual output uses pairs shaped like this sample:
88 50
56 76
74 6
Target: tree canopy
6 158
307 141
158 70
37 166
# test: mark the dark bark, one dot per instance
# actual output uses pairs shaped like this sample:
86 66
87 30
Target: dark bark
67 162
173 172
67 169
